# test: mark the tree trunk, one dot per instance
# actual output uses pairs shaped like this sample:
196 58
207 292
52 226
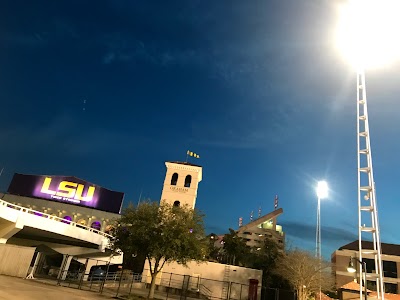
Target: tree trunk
152 286
300 293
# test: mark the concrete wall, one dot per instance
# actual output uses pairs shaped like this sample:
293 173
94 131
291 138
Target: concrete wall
350 295
341 260
217 278
15 260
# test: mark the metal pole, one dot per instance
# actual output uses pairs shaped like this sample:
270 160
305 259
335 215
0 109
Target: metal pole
119 284
133 278
83 273
169 284
318 242
365 279
92 277
104 279
319 228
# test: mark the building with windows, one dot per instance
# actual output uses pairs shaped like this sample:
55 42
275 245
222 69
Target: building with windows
390 259
264 227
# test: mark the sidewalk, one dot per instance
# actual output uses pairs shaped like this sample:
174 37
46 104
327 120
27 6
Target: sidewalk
12 288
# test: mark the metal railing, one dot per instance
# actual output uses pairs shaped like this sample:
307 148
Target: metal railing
125 284
55 218
205 291
120 283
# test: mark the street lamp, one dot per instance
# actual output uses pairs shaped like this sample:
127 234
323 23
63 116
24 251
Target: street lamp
352 269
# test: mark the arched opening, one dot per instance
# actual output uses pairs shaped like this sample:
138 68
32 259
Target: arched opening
109 228
174 179
177 203
82 222
188 180
96 225
67 219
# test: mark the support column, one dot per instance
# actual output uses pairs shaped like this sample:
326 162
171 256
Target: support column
89 264
62 274
35 264
104 243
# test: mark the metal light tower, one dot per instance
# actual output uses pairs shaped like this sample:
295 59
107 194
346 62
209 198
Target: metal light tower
367 206
365 36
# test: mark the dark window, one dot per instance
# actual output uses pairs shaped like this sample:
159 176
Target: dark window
177 203
188 180
370 265
390 269
174 179
391 288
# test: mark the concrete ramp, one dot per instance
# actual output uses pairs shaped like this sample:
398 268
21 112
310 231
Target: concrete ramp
24 223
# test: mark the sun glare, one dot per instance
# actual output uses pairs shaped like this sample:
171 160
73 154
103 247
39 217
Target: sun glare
368 32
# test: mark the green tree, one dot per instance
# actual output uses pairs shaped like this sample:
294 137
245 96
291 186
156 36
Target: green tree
235 249
306 273
212 251
265 258
163 233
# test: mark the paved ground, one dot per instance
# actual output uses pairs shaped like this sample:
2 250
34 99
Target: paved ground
12 288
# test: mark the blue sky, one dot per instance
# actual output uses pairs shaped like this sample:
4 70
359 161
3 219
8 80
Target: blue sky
109 92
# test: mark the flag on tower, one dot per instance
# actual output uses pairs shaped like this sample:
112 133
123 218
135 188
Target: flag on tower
190 153
276 202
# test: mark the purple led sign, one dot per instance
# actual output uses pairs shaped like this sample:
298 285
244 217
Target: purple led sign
59 189
66 189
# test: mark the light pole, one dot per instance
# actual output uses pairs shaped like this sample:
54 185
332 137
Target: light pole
365 36
322 192
352 269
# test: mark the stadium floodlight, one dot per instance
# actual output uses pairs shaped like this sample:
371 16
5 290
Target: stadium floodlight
367 32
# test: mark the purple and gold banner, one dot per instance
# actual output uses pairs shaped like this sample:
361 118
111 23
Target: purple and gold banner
66 189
